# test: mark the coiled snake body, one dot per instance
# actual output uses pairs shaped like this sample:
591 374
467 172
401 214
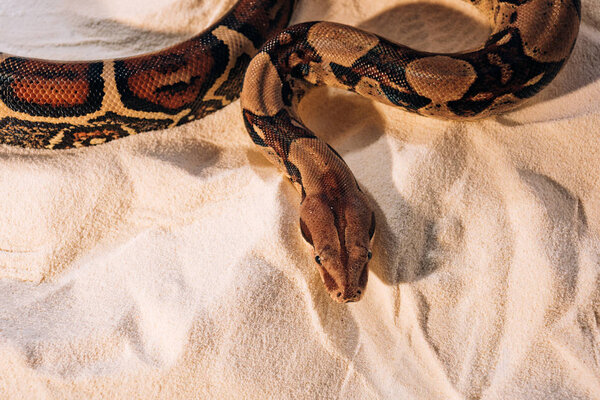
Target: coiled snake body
57 105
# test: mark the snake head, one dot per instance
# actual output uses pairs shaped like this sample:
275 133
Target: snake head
341 234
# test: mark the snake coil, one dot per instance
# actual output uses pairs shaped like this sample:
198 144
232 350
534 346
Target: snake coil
59 105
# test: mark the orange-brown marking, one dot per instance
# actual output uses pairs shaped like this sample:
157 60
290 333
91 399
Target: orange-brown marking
156 72
66 85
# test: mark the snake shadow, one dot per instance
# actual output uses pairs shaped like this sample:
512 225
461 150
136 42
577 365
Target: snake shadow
430 27
90 39
120 39
195 155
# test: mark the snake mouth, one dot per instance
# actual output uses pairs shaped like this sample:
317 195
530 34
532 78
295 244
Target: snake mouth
347 295
344 297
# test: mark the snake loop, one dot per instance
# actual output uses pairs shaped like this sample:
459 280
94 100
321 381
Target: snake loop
529 43
57 105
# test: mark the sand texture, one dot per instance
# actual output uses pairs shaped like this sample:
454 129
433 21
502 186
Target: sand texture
170 264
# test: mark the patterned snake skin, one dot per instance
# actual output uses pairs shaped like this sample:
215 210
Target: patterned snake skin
45 104
529 43
58 105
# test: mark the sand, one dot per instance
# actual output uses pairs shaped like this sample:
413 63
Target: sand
170 264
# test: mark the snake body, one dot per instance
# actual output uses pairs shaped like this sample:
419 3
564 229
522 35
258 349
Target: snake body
45 104
59 105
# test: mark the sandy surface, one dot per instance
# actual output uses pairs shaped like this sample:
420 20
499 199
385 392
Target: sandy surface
170 264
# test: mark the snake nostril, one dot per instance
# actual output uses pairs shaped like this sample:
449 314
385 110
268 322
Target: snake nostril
339 294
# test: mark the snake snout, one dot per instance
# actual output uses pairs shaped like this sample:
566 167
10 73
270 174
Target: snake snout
350 290
348 295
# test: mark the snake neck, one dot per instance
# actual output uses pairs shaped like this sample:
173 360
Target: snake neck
313 166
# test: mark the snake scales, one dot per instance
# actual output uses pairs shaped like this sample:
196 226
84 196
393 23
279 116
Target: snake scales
58 105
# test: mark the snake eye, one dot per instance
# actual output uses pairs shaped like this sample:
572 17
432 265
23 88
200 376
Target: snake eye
369 255
318 260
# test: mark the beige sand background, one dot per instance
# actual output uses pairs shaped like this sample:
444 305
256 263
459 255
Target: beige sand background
170 264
